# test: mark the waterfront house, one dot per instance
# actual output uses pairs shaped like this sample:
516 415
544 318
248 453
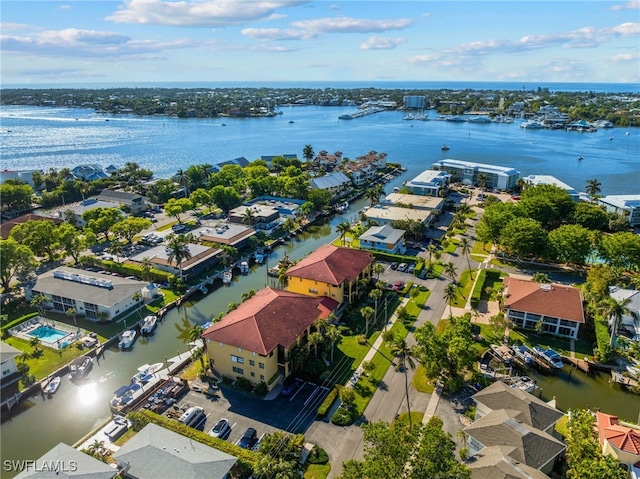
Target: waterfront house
89 293
231 234
89 172
89 204
468 172
254 341
620 440
517 425
131 202
330 271
240 161
385 215
65 462
429 183
336 183
416 202
626 205
535 180
201 258
25 176
6 227
559 307
10 374
629 322
156 452
287 207
263 217
383 238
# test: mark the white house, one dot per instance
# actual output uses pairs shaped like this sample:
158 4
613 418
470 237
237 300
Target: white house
8 355
500 177
336 183
383 238
628 322
535 180
628 205
429 183
385 215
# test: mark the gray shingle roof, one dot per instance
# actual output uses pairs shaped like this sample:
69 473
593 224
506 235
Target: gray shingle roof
382 234
156 452
495 463
71 464
332 180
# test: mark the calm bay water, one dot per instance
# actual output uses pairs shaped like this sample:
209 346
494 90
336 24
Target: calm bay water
58 138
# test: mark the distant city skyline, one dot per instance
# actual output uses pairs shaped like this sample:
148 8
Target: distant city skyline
65 42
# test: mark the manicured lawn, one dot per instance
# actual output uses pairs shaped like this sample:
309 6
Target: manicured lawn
50 360
442 325
480 248
349 348
317 471
451 246
463 289
414 306
416 418
561 426
349 240
421 382
191 371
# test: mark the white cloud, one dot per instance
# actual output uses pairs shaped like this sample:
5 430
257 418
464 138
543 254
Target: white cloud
209 13
381 43
625 57
352 25
277 34
632 5
334 7
64 7
8 27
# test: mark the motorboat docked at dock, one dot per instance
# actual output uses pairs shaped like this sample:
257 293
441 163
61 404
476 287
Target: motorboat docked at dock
124 395
503 353
244 267
548 356
52 386
524 383
126 340
523 353
148 325
227 276
146 373
79 367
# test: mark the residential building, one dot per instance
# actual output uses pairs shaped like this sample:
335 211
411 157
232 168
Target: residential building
511 426
254 341
327 160
131 202
287 207
414 101
201 258
429 183
535 180
383 238
156 452
499 177
336 183
5 228
241 162
627 205
87 205
330 271
559 307
385 215
89 172
416 202
268 159
10 374
65 462
373 158
630 323
263 217
89 293
620 440
231 234
26 176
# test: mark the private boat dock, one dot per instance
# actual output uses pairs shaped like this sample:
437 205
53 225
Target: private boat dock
617 377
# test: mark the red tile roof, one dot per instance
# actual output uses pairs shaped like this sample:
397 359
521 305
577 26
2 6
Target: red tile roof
554 300
270 318
6 228
621 437
332 265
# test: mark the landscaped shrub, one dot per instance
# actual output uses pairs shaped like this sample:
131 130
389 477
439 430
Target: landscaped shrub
318 456
477 289
328 402
15 322
345 415
602 339
261 389
244 384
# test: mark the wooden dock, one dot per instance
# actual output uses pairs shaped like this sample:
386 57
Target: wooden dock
617 377
580 364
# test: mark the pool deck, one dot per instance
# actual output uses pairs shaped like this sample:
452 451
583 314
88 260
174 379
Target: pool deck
25 330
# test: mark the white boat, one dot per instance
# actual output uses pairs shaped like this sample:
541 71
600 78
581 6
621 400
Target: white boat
342 207
126 340
244 267
633 371
525 383
52 386
146 373
227 276
531 125
124 395
523 353
503 353
479 119
79 367
549 356
258 258
148 325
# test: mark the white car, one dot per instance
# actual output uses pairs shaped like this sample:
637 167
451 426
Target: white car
402 267
221 429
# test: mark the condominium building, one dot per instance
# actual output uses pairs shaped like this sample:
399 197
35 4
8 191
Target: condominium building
468 172
535 180
429 183
627 205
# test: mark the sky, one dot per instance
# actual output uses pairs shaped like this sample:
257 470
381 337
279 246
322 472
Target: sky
136 41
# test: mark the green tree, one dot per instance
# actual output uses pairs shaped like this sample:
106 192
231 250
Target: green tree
465 245
130 227
16 261
550 205
482 180
450 270
523 237
279 456
494 220
72 313
178 248
405 354
225 197
39 236
614 310
333 335
307 153
590 216
541 278
621 250
343 228
570 244
229 254
15 196
101 220
40 303
593 187
367 313
70 240
177 206
450 293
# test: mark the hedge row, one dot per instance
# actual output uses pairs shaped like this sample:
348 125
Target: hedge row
328 402
246 459
15 322
603 339
127 269
478 288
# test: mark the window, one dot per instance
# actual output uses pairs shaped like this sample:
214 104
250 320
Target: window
261 365
313 291
253 375
252 362
5 372
237 359
238 370
262 377
565 331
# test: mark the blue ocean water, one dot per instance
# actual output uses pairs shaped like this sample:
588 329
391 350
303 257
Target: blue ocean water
44 138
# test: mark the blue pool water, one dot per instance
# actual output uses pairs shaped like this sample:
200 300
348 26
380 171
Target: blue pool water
48 334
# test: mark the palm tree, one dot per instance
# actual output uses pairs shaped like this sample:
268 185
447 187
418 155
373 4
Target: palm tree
405 354
466 249
315 338
178 247
541 278
333 334
115 248
229 254
366 313
307 153
593 187
373 195
195 333
614 310
450 269
482 180
249 217
343 228
183 179
378 269
40 302
450 295
146 265
375 294
72 312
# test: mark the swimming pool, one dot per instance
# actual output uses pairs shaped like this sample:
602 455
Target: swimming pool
48 334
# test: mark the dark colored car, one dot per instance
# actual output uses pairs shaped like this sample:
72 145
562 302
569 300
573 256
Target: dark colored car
291 387
248 439
394 265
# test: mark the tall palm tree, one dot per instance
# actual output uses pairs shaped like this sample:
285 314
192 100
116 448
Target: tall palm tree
373 195
466 249
375 294
366 313
333 334
593 187
72 312
450 295
378 269
195 333
307 153
146 265
178 247
405 355
183 179
343 228
482 180
314 339
450 269
614 310
248 217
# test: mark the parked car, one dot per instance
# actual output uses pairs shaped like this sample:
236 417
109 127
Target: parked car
394 265
402 267
221 429
248 439
411 268
291 387
398 285
178 228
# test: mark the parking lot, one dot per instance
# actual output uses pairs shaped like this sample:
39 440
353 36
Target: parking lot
292 414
